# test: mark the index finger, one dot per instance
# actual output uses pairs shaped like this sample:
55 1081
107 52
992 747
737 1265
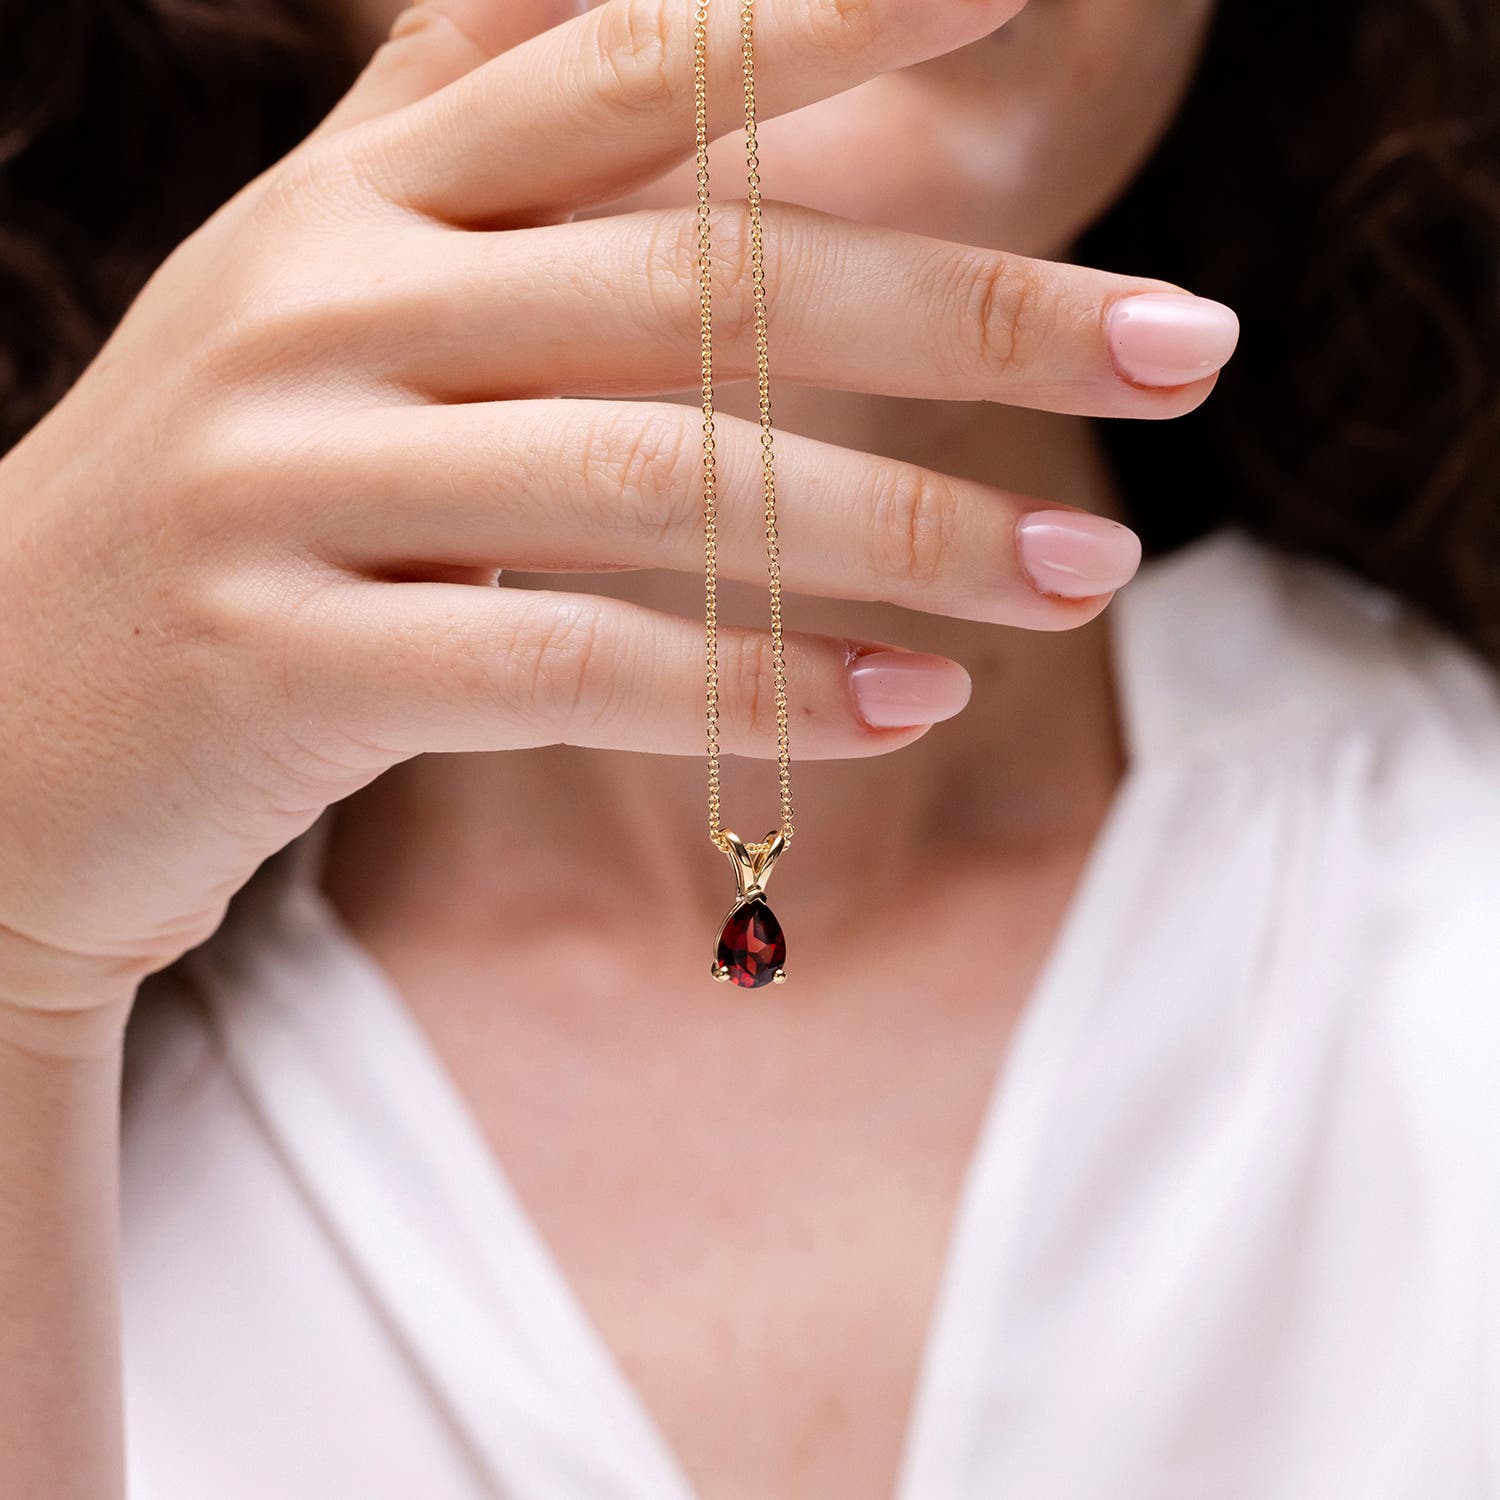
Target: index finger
604 102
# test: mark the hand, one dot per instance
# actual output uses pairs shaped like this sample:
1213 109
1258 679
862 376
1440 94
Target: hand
248 561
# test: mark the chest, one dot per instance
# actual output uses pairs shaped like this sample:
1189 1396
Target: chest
1223 1221
751 1198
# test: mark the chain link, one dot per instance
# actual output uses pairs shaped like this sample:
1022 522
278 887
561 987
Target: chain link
763 388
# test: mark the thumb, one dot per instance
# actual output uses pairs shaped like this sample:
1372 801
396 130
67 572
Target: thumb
433 43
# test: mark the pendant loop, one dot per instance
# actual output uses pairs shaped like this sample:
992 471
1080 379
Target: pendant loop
751 869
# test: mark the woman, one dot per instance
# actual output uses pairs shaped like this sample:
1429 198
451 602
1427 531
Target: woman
1126 1124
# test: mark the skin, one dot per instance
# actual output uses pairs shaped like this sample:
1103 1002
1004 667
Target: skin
249 566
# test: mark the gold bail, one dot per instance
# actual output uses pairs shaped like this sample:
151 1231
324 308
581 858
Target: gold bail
752 867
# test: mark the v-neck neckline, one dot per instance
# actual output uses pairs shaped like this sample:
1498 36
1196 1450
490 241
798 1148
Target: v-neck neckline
393 1129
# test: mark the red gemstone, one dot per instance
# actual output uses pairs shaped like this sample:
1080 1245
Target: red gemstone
751 946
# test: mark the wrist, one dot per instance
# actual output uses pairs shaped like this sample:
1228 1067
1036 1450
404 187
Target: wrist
62 1006
63 1037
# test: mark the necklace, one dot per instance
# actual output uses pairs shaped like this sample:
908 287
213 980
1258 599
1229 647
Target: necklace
751 949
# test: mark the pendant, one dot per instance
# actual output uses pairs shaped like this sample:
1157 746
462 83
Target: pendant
752 949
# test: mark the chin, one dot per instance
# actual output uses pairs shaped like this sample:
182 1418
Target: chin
1024 179
1019 142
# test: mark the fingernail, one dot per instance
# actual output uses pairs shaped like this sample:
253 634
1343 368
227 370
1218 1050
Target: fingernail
1170 338
904 689
1074 555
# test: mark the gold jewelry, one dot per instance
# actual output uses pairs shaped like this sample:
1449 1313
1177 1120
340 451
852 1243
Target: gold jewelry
751 949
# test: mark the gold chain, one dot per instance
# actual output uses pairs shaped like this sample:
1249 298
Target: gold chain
763 383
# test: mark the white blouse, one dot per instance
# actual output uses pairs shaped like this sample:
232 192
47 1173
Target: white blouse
1229 1231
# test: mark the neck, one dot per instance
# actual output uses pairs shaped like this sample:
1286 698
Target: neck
1034 759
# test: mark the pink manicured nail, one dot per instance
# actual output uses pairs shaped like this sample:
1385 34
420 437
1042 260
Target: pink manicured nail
1074 555
1169 338
902 689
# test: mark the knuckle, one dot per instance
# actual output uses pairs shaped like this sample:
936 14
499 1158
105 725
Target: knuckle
412 29
421 18
1011 314
245 613
199 618
670 264
331 182
301 318
287 191
915 520
234 472
674 288
414 18
751 669
564 687
232 635
638 42
646 463
734 305
842 25
307 189
268 324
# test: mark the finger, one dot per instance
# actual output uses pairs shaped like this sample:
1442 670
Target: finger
852 306
582 485
433 43
415 667
591 108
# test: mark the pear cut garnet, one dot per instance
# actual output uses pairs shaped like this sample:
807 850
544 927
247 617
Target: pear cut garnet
751 946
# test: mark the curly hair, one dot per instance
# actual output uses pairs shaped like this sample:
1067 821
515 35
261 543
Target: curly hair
1334 175
123 125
